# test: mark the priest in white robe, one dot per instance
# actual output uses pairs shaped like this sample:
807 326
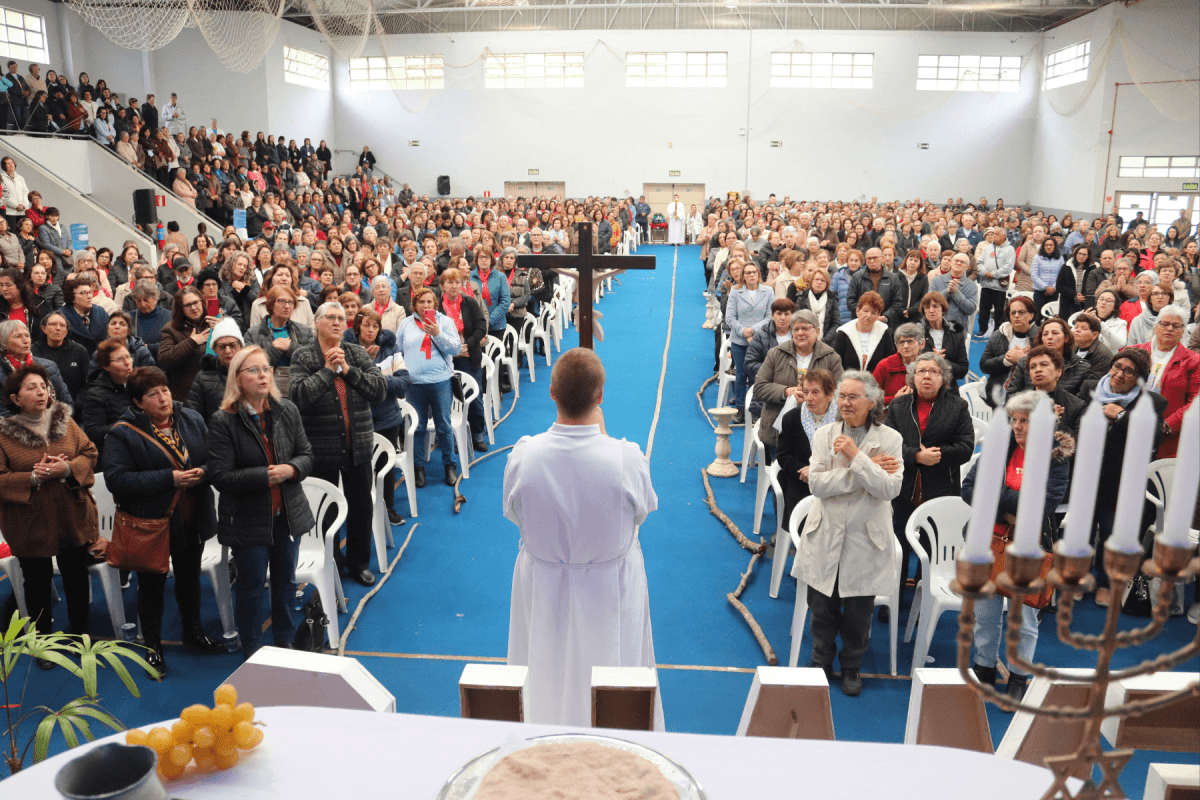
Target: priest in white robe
579 593
676 216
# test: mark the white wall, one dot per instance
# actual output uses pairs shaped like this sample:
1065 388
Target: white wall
608 139
1072 153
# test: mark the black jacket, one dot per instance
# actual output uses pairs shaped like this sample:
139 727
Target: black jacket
103 404
793 451
474 329
262 336
913 292
311 387
949 427
1114 444
139 474
890 290
208 389
954 342
71 360
238 460
992 361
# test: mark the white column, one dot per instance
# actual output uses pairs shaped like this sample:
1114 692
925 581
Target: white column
64 28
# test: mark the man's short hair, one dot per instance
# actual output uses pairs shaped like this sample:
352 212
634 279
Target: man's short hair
577 382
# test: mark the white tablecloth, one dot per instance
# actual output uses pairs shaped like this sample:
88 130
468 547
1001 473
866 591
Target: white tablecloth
407 756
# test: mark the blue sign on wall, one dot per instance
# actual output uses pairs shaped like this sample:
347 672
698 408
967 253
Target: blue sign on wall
79 236
239 218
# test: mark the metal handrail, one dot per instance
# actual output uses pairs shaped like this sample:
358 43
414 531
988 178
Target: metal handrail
63 185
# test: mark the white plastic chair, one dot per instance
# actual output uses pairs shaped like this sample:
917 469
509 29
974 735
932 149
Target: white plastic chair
1160 474
490 403
314 563
459 423
751 443
543 330
767 479
505 358
1050 309
944 520
404 454
981 428
800 614
724 379
110 577
383 461
548 318
978 407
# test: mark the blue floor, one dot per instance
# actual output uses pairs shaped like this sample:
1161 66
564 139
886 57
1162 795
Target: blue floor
449 595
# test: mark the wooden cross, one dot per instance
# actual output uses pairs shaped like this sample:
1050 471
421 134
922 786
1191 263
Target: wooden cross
584 264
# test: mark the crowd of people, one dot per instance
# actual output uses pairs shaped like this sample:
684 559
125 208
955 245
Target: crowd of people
851 323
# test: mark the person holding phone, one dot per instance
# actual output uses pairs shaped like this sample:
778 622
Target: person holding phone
429 342
216 305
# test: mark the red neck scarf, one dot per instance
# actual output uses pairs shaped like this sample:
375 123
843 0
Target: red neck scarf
18 364
379 309
427 343
483 287
454 311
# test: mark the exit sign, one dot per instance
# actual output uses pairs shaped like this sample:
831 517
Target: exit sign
413 143
674 173
533 172
776 144
1191 187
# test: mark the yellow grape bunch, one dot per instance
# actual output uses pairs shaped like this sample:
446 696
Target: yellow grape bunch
212 737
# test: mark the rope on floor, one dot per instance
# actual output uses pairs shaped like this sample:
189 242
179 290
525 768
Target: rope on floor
378 585
662 378
757 549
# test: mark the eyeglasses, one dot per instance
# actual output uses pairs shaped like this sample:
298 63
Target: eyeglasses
334 318
928 372
1171 326
1128 372
256 371
1020 312
851 398
803 329
194 304
228 346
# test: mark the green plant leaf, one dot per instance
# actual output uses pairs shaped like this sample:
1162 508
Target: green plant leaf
100 715
41 739
114 660
68 731
87 665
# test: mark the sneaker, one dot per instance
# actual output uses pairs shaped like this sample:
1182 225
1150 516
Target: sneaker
852 684
1103 597
885 614
395 519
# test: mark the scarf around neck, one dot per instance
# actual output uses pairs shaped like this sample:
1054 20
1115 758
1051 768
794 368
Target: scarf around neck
1105 394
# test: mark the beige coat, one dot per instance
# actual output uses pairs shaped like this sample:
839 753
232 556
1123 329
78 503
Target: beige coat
37 522
778 374
847 538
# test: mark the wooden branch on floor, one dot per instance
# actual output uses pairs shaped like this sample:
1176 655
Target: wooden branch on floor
755 628
341 648
753 547
700 399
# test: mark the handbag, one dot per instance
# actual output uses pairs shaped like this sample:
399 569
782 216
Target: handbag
999 542
143 545
1136 599
310 633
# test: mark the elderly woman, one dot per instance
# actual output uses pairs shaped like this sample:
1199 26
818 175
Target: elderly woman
1174 373
747 308
492 288
796 429
389 310
935 423
69 357
1008 345
845 553
471 324
88 321
1141 330
429 342
863 342
46 464
16 352
779 378
944 336
1143 284
260 455
208 389
892 373
385 414
155 466
1055 335
278 334
183 341
107 396
988 612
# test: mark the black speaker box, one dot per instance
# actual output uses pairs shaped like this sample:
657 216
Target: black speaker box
443 184
144 211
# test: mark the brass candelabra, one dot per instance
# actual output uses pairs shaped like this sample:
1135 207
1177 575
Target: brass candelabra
1070 576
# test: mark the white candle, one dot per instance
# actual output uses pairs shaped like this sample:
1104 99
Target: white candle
1187 482
1084 480
1031 510
989 480
1127 526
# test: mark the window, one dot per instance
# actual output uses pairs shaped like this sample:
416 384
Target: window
822 70
969 73
1159 167
304 68
396 72
22 36
534 71
692 70
1067 66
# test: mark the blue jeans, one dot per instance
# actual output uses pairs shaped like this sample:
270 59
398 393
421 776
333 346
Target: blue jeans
989 632
422 397
252 565
739 367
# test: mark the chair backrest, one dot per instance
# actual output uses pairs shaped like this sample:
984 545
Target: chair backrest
489 368
510 340
493 347
1050 309
797 520
328 507
977 406
528 325
546 316
106 506
410 422
470 389
383 455
944 521
1160 474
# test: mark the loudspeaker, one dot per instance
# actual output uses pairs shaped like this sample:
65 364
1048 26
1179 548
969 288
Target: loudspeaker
443 184
144 212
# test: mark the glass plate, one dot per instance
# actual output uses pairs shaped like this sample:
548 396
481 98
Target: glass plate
463 782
